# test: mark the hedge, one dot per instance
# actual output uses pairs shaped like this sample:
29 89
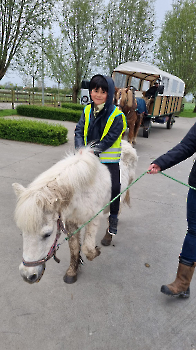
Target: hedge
33 131
49 113
75 106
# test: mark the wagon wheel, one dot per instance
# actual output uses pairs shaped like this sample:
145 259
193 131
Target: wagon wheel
146 129
146 133
170 122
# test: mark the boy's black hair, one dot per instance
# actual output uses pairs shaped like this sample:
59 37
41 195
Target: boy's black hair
98 81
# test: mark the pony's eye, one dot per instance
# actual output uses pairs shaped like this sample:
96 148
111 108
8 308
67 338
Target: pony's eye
46 235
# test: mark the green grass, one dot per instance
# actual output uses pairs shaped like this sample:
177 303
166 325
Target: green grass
7 112
188 110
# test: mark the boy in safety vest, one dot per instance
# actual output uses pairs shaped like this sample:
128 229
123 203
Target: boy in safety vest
102 125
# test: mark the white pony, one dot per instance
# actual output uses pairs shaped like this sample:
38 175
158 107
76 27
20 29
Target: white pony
70 192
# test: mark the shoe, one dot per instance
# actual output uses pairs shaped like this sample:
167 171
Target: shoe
113 222
180 287
184 294
107 239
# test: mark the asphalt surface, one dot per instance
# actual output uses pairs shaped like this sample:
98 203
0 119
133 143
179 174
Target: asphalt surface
116 302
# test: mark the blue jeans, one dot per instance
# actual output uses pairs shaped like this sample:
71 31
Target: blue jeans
114 170
189 246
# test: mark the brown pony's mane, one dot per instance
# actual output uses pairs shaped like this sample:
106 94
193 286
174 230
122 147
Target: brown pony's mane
125 100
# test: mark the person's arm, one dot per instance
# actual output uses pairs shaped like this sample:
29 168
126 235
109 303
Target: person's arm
185 149
79 132
149 92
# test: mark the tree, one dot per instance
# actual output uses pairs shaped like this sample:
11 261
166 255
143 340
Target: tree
128 27
19 19
29 63
176 47
55 50
79 28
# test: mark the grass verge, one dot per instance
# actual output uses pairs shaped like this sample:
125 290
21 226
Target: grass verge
188 110
7 112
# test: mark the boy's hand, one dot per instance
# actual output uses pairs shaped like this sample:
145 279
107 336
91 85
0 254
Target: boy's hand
95 148
153 169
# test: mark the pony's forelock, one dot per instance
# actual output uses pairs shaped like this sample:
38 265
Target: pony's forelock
28 213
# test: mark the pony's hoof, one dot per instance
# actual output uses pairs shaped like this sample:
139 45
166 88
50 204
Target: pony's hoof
98 250
92 255
69 279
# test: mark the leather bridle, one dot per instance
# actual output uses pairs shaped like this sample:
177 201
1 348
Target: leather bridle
52 251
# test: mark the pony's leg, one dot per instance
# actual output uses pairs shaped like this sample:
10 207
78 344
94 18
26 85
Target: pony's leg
74 246
88 247
131 125
136 127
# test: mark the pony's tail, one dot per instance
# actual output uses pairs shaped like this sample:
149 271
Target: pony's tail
127 198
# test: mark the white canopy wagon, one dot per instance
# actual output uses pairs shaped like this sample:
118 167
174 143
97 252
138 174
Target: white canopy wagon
167 101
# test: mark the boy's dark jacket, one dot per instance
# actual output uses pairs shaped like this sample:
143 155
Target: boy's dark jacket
185 149
97 125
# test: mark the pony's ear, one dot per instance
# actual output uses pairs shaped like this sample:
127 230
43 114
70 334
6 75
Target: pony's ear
130 98
18 189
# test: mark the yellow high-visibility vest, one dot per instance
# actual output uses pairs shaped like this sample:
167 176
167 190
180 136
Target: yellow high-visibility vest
112 154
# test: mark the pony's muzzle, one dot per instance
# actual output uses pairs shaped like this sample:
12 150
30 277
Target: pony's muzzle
31 274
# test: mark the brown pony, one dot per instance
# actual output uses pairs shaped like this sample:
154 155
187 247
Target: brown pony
126 102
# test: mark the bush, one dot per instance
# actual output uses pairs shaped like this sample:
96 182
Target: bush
49 113
33 131
75 106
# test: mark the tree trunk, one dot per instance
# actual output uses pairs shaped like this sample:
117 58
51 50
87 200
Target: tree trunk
2 72
33 88
75 93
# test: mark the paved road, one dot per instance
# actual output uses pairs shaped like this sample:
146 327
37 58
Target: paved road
7 105
116 302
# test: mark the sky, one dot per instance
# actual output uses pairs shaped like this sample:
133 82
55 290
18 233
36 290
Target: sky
161 7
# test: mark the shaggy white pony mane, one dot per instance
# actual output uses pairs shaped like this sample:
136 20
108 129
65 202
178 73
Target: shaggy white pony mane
55 188
79 170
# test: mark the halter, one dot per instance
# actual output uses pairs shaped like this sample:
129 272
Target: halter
52 251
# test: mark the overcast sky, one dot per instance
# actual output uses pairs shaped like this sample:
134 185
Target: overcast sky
161 7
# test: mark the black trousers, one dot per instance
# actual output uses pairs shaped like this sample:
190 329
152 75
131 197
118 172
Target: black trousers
114 170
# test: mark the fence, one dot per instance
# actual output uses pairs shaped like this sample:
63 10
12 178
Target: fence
15 97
